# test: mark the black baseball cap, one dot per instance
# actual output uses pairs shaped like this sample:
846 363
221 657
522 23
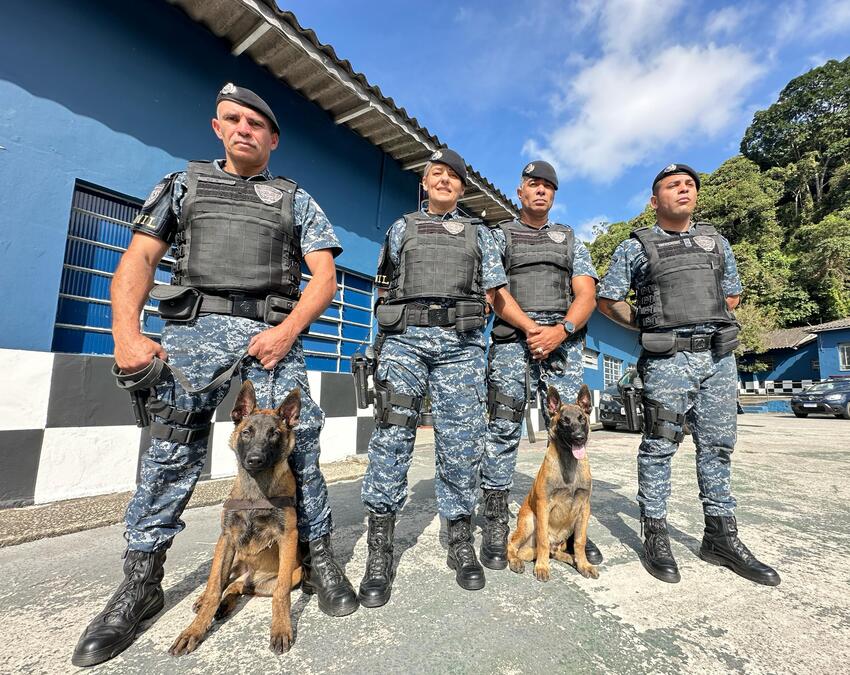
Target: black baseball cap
451 159
246 97
541 169
672 169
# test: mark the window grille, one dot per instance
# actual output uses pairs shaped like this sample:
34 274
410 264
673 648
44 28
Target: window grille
612 370
844 356
99 231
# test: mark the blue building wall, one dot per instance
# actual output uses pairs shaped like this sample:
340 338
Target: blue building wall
119 94
787 364
606 337
828 352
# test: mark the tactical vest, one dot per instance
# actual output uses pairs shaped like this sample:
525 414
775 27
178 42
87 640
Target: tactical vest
684 286
437 259
238 235
539 265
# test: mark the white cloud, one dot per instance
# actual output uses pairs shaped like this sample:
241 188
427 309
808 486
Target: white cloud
627 25
725 21
628 110
585 230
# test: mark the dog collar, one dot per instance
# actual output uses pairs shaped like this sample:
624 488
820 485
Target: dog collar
248 504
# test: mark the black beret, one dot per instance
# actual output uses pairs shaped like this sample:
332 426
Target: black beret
672 169
541 169
451 159
246 97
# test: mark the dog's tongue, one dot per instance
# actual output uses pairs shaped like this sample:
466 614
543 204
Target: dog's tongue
579 451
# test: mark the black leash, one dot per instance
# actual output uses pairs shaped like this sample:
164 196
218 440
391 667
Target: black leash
153 373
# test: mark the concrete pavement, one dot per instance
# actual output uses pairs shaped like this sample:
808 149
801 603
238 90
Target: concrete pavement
791 480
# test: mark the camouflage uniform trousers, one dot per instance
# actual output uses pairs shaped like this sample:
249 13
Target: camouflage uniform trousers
703 387
506 372
451 366
169 470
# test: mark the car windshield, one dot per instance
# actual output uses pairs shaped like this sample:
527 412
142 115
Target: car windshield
825 387
627 378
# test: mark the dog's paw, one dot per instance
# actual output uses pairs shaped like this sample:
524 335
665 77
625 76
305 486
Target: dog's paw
186 643
541 571
281 641
228 604
517 565
589 571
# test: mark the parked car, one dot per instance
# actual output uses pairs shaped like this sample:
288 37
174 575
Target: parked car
827 398
612 414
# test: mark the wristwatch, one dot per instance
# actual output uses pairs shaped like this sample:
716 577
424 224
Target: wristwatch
569 326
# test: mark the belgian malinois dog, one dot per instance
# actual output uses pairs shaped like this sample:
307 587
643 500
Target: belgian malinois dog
257 552
559 502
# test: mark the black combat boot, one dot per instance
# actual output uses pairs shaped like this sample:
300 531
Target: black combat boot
322 576
469 573
721 546
377 582
139 597
657 557
494 537
591 550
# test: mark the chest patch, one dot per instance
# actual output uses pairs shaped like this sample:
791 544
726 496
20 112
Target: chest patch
267 193
557 237
452 227
705 243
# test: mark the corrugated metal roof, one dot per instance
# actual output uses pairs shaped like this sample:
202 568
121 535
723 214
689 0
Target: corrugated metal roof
275 40
838 324
788 338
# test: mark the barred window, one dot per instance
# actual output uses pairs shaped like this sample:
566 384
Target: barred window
844 356
612 369
99 231
590 358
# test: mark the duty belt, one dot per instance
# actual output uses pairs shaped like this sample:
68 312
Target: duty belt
272 308
694 343
421 315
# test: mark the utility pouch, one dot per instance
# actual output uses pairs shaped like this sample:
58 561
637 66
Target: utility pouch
177 303
468 316
503 332
658 344
725 340
277 309
391 318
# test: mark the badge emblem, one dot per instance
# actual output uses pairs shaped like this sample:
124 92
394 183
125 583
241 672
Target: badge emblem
437 155
705 243
154 195
668 169
452 227
228 88
528 169
557 237
267 193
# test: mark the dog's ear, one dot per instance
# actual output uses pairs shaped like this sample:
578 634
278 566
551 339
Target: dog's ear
246 403
584 400
290 409
553 400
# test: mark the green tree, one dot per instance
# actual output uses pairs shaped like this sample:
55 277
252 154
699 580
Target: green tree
609 236
756 324
811 121
824 263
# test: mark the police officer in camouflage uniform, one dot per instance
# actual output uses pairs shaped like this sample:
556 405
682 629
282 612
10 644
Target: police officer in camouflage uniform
241 235
436 269
552 278
686 285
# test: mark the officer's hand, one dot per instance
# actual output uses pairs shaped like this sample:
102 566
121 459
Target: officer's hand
272 345
544 342
134 352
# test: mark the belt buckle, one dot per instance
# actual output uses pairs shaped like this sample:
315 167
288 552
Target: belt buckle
701 343
244 306
438 316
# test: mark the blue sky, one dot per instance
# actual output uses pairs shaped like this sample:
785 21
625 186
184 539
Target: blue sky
610 91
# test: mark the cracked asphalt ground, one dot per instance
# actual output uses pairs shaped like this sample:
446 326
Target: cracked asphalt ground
791 480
